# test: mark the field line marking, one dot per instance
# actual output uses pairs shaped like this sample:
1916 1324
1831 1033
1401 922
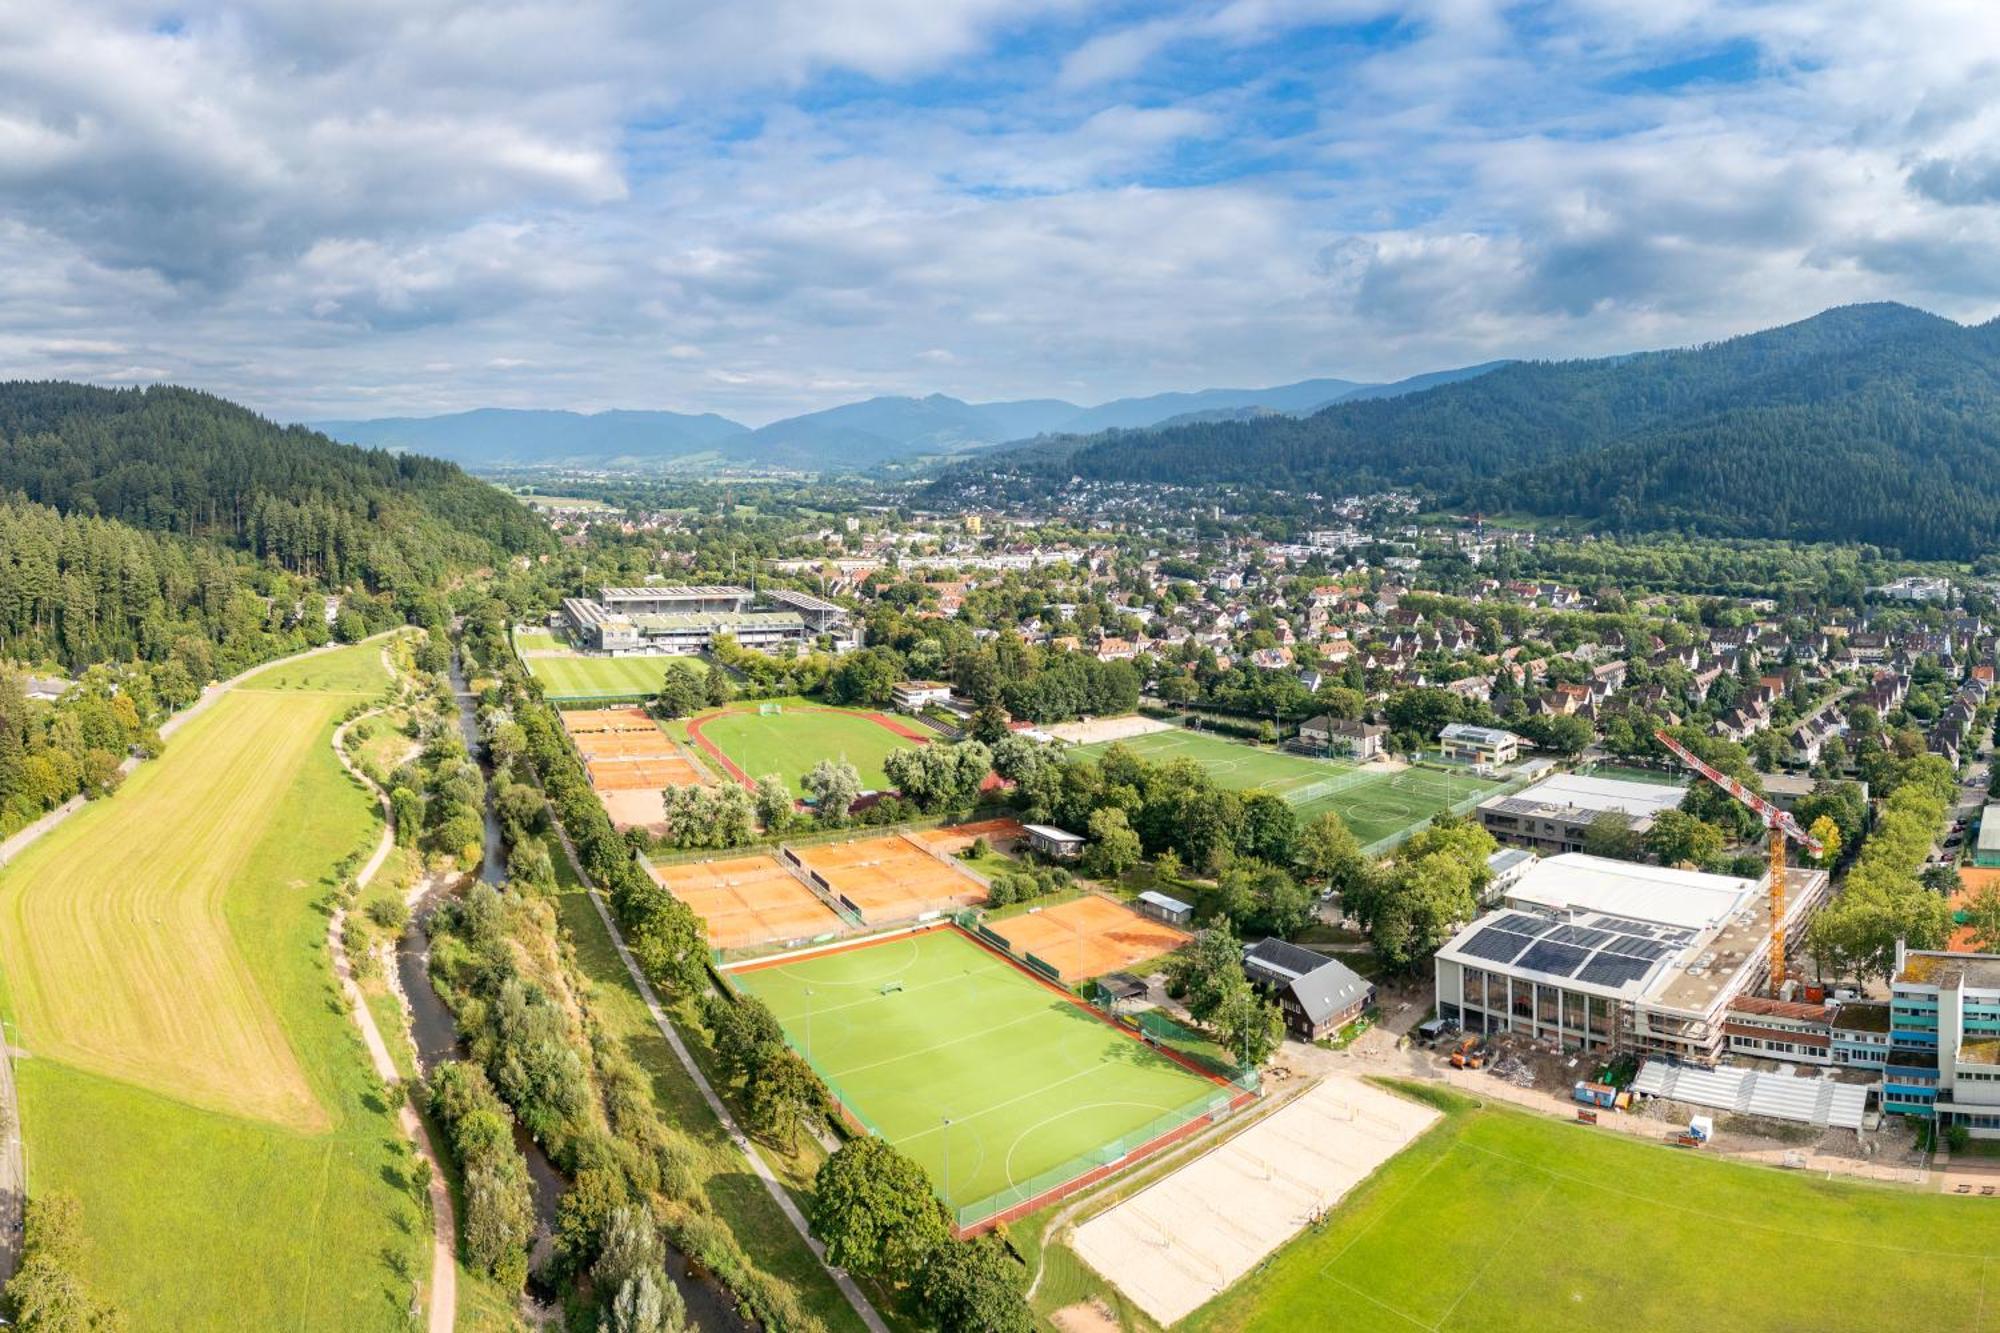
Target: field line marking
1491 1259
1724 1217
1355 1239
1086 1071
938 1046
1377 1301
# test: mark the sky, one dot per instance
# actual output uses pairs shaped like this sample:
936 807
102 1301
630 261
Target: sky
760 207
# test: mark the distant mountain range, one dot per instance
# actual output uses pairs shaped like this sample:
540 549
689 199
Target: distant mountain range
1867 423
853 436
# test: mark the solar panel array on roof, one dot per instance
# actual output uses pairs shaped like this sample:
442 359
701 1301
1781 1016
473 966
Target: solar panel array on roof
1608 969
1632 947
1556 959
1523 924
1497 946
1583 936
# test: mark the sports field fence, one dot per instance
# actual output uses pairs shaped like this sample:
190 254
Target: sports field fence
1333 786
1212 1104
1465 805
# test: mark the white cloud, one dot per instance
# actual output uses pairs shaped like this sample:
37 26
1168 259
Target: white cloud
770 205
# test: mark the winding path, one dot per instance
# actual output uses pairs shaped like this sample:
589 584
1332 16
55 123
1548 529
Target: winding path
13 1153
444 1237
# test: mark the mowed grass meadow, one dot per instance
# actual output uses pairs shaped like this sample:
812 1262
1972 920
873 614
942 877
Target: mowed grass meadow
1498 1219
189 1071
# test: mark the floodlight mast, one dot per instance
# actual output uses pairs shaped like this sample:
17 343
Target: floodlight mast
1779 825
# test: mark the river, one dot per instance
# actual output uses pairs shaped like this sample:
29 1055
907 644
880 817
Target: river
709 1306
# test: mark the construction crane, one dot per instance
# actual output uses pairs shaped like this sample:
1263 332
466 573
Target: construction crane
1779 825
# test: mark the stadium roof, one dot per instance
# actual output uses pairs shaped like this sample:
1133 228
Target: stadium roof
803 601
1989 829
1657 895
672 592
1573 791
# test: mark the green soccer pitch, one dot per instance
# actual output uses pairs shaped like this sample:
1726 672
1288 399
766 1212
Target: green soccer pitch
791 741
1373 802
603 677
920 1030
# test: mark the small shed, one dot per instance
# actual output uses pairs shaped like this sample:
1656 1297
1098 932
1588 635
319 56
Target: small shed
1056 843
1160 907
1119 988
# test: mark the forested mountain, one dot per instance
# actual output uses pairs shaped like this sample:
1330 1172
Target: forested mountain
874 431
1872 423
177 461
497 436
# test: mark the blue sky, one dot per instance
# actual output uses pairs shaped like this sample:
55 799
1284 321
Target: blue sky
373 207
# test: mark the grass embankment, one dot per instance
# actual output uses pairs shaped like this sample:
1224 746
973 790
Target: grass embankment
738 1197
192 1076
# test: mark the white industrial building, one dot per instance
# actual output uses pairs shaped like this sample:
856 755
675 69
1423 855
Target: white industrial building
1591 952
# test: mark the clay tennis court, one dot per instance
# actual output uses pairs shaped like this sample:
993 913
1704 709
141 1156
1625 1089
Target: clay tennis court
1088 937
623 744
748 900
955 838
651 773
584 721
644 808
890 878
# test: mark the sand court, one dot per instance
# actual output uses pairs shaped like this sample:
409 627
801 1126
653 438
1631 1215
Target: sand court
1183 1240
890 878
1088 937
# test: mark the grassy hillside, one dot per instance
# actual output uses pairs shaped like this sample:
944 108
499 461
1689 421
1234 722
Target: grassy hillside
190 1074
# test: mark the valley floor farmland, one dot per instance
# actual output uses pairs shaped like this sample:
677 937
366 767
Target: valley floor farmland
1497 1219
189 1074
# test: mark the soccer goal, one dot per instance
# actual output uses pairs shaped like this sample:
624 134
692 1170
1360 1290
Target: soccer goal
770 710
1313 791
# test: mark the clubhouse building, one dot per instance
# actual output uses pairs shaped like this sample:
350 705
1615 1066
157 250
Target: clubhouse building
1554 816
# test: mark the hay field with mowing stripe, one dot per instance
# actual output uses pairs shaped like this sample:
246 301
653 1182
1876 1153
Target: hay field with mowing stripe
121 960
189 1075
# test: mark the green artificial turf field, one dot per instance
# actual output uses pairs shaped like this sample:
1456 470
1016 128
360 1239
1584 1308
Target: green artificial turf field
604 677
1498 1219
191 1076
1031 1082
791 742
1373 802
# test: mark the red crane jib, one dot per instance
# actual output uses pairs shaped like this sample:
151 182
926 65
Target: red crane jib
1771 816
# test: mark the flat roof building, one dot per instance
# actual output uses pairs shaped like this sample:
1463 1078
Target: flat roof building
1161 907
1467 744
1944 1039
1553 816
1052 841
1591 952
